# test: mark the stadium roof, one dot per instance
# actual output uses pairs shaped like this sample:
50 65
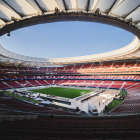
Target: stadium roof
15 14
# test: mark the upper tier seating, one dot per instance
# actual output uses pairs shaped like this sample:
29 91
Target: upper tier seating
118 64
51 68
69 67
23 68
77 67
98 70
121 69
115 67
107 65
60 68
96 66
30 68
110 70
87 66
130 64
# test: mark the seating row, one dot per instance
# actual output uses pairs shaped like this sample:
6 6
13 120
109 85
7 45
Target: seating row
82 83
121 77
77 129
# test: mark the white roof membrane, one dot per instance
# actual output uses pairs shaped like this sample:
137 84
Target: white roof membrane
28 9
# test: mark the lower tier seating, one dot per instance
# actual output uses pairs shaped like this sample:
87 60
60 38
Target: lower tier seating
131 104
119 77
71 129
89 83
15 104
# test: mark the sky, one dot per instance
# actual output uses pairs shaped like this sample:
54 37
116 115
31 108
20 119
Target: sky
66 39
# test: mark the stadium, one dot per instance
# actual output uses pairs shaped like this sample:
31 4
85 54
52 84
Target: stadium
92 97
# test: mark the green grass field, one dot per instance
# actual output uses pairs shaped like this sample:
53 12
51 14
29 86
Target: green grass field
62 92
115 103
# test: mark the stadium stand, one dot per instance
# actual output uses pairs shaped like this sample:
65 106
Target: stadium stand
116 67
71 129
117 84
2 77
13 84
24 83
121 70
33 82
107 65
105 84
51 82
87 66
96 83
131 104
3 85
15 104
128 84
42 82
20 77
74 76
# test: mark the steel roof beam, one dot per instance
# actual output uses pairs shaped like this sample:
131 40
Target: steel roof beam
4 20
14 9
88 3
64 2
39 11
131 11
39 7
137 22
111 7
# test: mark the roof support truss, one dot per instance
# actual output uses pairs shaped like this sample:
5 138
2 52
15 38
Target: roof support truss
4 20
111 7
39 11
13 9
88 3
39 7
137 23
64 2
131 11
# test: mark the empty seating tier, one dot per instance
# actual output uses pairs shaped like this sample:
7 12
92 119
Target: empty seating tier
71 129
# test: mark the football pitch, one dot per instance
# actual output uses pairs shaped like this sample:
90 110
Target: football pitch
63 92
